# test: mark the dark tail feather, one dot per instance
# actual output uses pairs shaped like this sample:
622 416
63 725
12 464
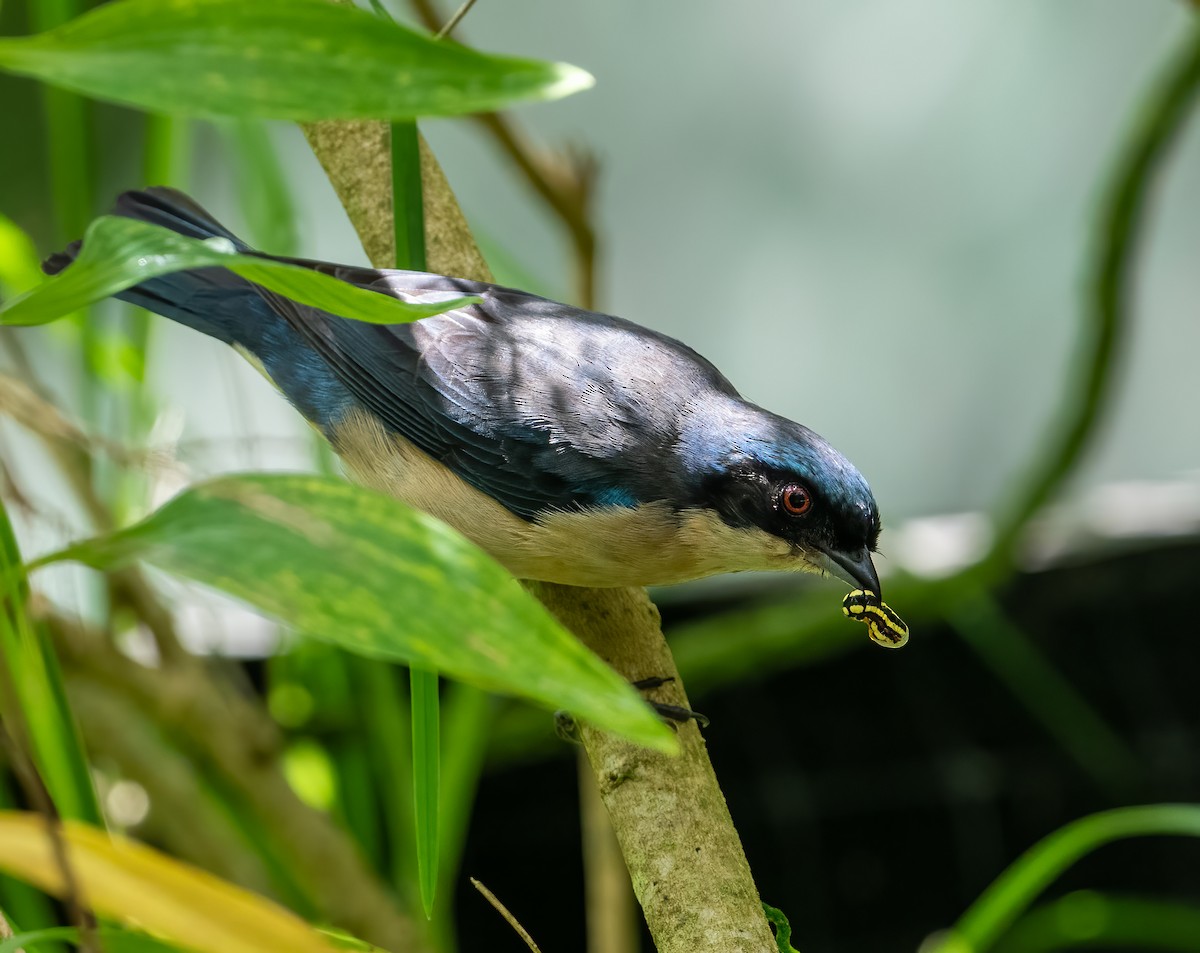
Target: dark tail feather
171 209
60 259
212 300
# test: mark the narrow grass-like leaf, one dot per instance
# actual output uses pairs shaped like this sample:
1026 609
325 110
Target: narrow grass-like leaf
408 218
262 187
362 570
426 779
1014 890
383 719
276 59
467 713
70 144
1088 920
114 940
37 701
408 198
71 155
132 883
119 253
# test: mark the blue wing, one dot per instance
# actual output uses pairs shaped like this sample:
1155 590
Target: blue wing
540 405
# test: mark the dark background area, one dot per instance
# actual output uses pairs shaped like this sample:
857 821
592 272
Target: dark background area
878 793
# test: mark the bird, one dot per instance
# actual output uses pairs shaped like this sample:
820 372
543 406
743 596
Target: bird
574 447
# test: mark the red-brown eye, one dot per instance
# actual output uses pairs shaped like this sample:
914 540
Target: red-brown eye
796 499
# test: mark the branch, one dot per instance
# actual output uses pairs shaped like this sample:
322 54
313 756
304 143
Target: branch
688 868
669 813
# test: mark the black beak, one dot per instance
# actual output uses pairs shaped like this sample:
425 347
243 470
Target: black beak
855 568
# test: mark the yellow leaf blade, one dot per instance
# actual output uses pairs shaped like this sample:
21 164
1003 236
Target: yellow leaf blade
135 884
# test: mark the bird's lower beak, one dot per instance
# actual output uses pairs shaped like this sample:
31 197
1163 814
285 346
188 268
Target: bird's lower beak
855 568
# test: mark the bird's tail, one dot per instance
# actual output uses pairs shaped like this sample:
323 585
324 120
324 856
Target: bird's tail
212 300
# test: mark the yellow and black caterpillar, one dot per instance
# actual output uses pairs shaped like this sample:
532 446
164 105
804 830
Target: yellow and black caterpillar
885 627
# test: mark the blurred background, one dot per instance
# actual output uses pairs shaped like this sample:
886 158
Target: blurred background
877 218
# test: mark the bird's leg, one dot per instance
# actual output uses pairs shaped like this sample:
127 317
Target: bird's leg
669 712
567 728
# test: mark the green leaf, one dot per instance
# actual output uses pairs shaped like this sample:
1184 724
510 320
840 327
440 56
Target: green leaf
119 253
362 570
262 186
32 699
408 198
276 59
18 259
115 940
426 713
1013 891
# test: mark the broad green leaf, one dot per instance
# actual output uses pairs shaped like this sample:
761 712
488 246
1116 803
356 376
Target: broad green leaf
362 570
132 883
119 253
276 59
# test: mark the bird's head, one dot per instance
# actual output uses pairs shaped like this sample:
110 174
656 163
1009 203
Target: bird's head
772 475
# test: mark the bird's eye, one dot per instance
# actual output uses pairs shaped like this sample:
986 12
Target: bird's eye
796 499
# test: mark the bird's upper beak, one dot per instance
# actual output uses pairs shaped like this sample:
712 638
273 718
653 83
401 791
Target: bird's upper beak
855 568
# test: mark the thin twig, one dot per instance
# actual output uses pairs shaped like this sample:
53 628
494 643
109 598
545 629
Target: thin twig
503 911
565 183
456 19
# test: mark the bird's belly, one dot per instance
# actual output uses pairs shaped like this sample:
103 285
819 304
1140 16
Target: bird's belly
645 545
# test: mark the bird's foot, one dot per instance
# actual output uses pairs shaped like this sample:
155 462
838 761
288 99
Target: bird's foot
567 728
671 713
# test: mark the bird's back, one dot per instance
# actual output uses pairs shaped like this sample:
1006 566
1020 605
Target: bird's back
519 385
542 406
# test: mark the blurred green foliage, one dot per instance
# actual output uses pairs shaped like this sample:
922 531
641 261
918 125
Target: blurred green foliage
348 734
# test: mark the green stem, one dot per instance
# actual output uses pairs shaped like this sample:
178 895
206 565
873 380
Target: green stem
1089 920
406 190
70 148
32 696
426 780
1123 217
1014 890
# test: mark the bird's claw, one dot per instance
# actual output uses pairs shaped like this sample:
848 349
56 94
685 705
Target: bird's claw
567 728
670 713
